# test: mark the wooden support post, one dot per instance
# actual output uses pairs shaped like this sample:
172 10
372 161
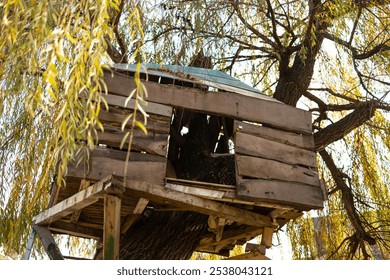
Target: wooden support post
111 227
48 242
266 238
30 243
83 185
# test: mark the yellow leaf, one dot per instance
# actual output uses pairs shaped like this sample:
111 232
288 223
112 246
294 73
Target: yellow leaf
141 126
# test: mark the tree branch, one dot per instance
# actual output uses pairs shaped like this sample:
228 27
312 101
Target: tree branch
235 4
339 129
347 197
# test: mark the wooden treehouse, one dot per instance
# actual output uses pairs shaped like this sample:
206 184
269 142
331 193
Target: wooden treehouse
214 146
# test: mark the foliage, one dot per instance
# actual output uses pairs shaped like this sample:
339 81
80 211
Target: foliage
51 52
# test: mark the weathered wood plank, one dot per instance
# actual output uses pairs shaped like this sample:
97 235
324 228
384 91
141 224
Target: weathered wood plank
249 256
151 107
225 193
76 202
152 143
30 244
219 103
198 204
256 146
230 237
155 125
104 162
266 237
83 185
76 230
304 197
135 215
101 152
304 141
273 170
111 230
250 247
48 242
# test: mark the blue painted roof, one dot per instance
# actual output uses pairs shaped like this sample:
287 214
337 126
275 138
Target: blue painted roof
209 77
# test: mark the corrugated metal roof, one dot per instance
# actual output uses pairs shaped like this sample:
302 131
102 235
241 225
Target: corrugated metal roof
208 77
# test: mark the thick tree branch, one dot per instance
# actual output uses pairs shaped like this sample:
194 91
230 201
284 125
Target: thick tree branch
116 55
339 129
347 197
355 53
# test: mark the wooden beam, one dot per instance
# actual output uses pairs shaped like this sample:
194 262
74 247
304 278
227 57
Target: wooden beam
195 203
250 247
225 193
132 218
230 236
247 144
74 203
301 196
266 237
63 227
83 185
48 242
30 243
249 256
111 232
218 103
273 170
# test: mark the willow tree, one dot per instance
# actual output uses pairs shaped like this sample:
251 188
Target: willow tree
330 57
50 52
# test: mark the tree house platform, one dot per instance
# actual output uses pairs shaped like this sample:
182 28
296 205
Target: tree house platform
270 148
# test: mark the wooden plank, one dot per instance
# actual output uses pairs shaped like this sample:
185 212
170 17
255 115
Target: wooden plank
151 107
250 247
202 192
230 237
256 146
83 185
161 125
214 192
102 152
197 204
218 103
76 202
304 141
30 243
136 214
152 143
104 162
266 237
48 242
77 230
249 256
273 170
303 197
111 230
54 192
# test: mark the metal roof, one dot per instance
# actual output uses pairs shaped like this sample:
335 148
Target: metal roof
209 77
